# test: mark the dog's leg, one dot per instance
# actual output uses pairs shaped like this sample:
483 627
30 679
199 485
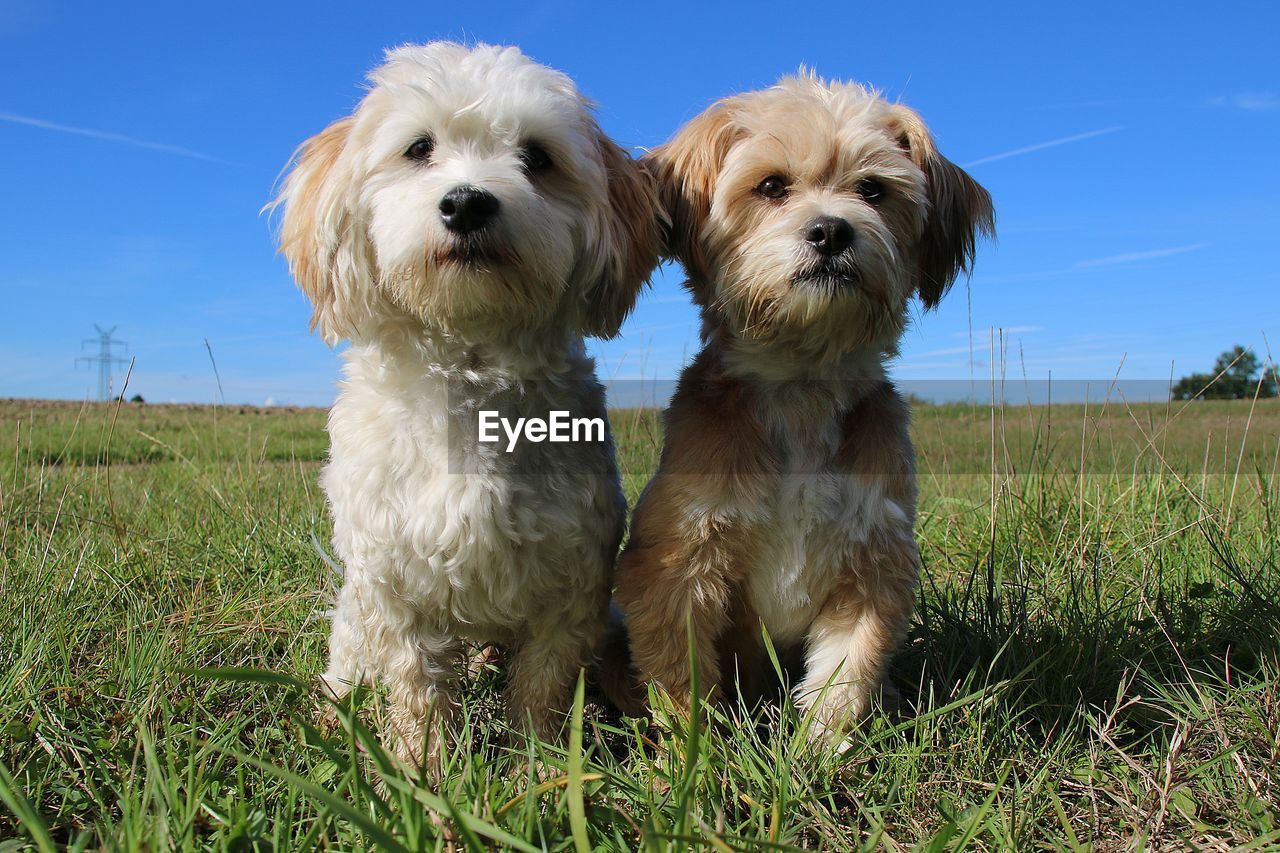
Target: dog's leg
347 646
665 600
419 671
855 634
545 669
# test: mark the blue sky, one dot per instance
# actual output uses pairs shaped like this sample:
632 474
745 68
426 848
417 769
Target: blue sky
1133 153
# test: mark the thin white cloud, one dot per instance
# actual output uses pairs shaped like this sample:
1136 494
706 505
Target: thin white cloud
933 353
18 17
958 366
106 136
1040 146
1132 257
690 323
197 342
1252 101
982 341
1102 102
1007 330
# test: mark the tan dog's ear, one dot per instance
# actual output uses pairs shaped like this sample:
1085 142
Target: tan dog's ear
628 239
327 253
959 209
686 169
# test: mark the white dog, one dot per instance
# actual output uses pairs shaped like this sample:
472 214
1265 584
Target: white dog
463 229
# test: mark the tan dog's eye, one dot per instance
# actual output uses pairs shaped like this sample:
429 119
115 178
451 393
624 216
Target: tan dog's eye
773 187
871 190
535 158
421 149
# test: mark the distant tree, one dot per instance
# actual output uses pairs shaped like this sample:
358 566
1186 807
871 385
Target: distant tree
1236 376
137 398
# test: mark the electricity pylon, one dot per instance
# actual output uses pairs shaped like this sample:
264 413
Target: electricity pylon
106 358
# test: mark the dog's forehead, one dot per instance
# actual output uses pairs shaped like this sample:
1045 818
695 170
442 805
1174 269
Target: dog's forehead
495 90
812 130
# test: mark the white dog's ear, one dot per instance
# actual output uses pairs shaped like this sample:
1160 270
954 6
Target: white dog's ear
628 237
686 169
327 252
959 209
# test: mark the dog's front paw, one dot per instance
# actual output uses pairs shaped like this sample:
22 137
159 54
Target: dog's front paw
839 712
329 691
416 745
417 729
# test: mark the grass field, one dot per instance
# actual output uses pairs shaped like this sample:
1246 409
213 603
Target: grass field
1095 661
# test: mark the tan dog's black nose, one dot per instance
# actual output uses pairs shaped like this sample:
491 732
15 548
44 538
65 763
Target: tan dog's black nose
829 235
466 208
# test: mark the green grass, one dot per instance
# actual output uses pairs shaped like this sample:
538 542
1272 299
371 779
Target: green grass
1095 660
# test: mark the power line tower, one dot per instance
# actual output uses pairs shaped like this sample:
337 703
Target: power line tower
106 358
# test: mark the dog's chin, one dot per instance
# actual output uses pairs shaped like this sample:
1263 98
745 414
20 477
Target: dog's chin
830 277
822 311
473 290
832 282
477 255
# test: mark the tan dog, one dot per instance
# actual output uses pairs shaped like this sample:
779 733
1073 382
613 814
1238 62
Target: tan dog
806 216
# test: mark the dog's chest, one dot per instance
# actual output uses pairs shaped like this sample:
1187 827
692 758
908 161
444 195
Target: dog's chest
805 534
458 530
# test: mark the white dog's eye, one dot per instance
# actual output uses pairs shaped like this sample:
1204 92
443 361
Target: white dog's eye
871 190
421 149
773 187
535 158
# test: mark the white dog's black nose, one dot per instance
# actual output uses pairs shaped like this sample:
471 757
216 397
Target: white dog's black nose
829 235
466 208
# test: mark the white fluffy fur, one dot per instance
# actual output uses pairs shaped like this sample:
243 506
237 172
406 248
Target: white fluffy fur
447 541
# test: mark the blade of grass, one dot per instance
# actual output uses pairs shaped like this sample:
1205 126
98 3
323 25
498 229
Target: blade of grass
27 815
378 834
577 808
